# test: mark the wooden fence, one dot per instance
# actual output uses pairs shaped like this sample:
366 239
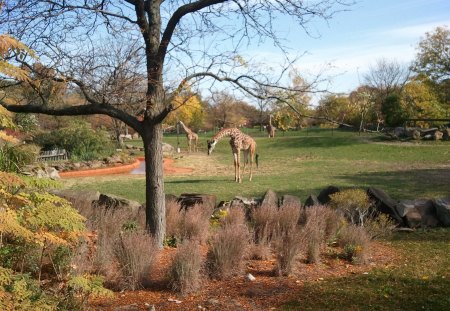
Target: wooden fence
53 155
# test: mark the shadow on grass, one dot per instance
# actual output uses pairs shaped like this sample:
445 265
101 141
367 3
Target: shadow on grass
196 181
406 184
379 290
312 142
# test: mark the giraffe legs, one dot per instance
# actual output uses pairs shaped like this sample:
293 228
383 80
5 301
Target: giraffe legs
237 169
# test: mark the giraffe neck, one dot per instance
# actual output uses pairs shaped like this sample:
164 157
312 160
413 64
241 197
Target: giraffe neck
185 128
270 120
229 132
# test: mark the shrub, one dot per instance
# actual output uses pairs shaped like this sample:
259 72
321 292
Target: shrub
173 220
287 247
287 237
355 243
228 246
195 223
36 228
314 232
380 226
184 272
354 204
135 253
13 158
79 139
264 223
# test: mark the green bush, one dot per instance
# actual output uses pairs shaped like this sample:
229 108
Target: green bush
79 140
354 204
13 158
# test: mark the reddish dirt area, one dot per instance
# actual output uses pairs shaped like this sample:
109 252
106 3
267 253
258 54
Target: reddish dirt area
123 169
267 292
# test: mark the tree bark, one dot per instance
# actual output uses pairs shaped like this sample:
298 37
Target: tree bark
155 212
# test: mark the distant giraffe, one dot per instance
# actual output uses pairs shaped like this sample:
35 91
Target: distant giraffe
270 128
190 135
239 141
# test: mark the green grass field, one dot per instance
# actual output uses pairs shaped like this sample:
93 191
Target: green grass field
419 280
301 163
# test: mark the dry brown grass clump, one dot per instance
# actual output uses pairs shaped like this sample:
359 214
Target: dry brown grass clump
135 252
321 225
356 244
184 273
119 248
228 246
288 241
190 223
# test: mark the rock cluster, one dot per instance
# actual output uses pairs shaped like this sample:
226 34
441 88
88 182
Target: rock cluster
419 133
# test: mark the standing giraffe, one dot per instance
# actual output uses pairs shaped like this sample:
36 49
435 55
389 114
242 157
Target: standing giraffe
239 141
270 128
190 135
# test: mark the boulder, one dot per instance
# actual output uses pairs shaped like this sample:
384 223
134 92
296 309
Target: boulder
311 201
187 200
438 135
416 135
400 131
446 133
442 206
291 200
114 201
270 199
74 195
168 150
384 203
52 173
418 213
135 136
324 195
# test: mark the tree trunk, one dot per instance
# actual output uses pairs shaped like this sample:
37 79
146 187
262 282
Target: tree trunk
155 212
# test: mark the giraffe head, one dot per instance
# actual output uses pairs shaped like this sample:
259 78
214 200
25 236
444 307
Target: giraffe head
211 144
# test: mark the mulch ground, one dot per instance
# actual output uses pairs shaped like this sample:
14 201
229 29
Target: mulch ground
267 292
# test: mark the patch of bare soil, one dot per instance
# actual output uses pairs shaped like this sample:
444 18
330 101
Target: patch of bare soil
267 292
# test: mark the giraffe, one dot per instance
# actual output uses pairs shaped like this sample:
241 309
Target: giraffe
190 135
239 141
270 128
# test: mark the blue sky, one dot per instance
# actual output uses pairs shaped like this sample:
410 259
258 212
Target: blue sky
353 40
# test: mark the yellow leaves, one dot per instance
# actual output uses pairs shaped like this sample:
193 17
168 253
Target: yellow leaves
10 46
188 108
37 217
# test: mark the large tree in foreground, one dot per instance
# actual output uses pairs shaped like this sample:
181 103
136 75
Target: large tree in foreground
168 43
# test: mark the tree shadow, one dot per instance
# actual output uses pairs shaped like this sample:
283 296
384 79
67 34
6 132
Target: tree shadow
406 184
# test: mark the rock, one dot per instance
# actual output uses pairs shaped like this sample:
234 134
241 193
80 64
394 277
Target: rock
411 216
40 173
446 132
151 308
95 164
291 200
168 150
270 199
384 203
113 201
129 146
135 136
418 213
442 206
416 135
324 195
187 200
311 201
250 277
400 131
52 173
438 135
